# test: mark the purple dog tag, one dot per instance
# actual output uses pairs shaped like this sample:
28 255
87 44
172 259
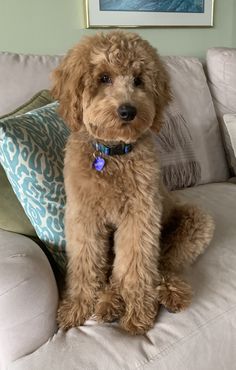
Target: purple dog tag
99 163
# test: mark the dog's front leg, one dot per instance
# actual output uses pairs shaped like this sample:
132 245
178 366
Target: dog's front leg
87 247
136 268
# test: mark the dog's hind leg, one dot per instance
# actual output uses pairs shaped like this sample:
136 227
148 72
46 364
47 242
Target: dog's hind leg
173 292
186 235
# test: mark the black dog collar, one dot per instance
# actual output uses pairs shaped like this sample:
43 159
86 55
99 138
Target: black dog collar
119 149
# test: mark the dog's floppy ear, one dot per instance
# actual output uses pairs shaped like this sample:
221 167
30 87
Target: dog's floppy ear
68 85
162 95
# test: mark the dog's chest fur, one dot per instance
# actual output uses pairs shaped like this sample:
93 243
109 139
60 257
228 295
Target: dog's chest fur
127 181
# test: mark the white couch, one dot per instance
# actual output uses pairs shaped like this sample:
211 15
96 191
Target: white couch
201 338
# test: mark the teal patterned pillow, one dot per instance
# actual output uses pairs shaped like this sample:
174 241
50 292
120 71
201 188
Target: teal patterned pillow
31 152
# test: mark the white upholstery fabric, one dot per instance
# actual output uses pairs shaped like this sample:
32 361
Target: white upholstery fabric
190 89
201 338
28 297
221 70
22 76
233 180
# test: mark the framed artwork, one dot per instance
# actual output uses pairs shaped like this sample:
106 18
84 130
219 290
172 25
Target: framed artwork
149 13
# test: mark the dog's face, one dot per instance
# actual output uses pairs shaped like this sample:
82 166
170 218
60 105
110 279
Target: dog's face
114 84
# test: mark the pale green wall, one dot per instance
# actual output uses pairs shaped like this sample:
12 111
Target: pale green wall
234 25
52 26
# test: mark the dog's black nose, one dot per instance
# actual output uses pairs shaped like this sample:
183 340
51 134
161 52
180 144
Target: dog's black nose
127 112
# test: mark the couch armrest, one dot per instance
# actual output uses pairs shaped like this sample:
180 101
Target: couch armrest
28 297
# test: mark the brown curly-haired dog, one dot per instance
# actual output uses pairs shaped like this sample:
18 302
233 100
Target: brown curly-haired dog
126 236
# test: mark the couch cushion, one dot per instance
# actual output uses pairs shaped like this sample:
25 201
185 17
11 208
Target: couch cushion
221 70
202 337
191 92
22 76
28 297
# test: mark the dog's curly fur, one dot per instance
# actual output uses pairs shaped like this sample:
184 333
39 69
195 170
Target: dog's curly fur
127 238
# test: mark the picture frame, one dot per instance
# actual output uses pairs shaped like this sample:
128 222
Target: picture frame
145 13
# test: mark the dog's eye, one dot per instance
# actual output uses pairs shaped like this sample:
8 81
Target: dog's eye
137 81
105 79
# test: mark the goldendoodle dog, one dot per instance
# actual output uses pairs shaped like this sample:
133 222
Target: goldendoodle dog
127 238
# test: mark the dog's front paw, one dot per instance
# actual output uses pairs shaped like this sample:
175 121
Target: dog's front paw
173 293
110 306
72 313
140 314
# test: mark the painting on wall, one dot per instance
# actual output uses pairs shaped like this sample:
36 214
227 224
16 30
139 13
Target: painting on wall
149 13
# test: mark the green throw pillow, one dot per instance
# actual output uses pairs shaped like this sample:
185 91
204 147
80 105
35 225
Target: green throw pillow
12 215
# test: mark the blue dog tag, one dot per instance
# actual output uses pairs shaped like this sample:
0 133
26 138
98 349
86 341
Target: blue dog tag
99 163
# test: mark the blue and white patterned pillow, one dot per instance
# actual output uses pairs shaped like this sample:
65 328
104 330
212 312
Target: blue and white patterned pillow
31 152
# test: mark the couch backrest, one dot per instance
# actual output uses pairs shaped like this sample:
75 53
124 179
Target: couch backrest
191 91
221 73
21 76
